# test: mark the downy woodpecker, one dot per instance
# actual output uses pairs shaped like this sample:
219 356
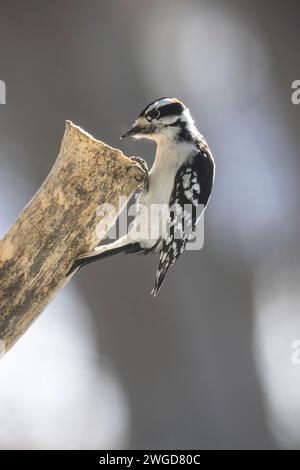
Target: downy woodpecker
181 177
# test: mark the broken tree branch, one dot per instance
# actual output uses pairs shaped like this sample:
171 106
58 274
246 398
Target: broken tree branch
58 224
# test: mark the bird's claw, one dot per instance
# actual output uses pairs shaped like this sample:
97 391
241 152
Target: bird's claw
144 167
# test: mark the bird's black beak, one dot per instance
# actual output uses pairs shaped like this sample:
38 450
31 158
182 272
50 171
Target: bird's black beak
133 131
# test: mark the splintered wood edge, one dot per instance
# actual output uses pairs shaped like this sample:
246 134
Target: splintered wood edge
135 169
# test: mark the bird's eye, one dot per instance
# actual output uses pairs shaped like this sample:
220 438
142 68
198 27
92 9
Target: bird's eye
154 114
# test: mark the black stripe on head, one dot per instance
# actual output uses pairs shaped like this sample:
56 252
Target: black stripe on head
184 133
171 109
150 104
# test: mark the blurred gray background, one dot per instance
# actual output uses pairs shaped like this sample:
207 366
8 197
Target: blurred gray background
208 363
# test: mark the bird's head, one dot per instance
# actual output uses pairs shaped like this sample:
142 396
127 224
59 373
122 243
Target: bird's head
163 118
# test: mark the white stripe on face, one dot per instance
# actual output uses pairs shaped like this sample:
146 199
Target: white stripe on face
159 103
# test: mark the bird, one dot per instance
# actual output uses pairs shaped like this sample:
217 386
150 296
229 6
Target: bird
181 177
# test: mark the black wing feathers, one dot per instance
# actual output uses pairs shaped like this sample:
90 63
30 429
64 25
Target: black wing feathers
192 187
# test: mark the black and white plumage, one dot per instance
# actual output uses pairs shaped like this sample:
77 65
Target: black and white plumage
177 191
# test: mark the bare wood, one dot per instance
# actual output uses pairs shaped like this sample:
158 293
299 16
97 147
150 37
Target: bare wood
58 224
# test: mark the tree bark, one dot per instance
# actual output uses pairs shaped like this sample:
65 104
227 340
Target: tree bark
61 221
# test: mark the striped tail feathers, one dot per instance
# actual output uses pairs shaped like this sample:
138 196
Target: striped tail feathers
160 276
163 267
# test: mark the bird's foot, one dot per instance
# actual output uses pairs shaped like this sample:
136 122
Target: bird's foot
143 165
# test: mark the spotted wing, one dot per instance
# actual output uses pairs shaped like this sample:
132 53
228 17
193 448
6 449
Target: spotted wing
192 188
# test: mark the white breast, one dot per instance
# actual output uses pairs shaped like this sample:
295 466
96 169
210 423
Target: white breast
169 157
